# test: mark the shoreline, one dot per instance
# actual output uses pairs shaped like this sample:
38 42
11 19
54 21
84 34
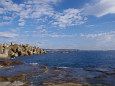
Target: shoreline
50 76
19 73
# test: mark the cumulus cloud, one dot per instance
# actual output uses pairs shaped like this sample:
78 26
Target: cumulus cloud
41 10
69 17
8 35
38 8
27 9
8 5
100 8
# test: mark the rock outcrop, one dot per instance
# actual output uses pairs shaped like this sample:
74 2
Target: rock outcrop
15 50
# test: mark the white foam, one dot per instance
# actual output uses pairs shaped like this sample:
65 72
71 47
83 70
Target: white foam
63 67
34 63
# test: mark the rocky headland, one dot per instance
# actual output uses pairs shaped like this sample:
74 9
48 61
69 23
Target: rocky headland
14 50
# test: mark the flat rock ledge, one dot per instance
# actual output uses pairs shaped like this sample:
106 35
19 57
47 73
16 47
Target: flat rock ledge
15 50
10 63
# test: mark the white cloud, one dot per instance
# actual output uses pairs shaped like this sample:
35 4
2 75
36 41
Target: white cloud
8 5
43 30
41 43
32 32
21 23
38 8
7 18
69 17
106 36
40 27
4 23
15 30
103 40
53 35
1 11
27 9
100 8
90 25
8 34
41 10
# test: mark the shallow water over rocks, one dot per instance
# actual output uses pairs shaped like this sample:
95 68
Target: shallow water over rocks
39 75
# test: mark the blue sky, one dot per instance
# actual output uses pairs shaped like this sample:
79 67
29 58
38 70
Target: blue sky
56 24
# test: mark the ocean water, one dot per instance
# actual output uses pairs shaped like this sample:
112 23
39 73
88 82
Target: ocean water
81 59
71 67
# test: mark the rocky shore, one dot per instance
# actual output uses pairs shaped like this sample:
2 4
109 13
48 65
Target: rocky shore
16 73
15 50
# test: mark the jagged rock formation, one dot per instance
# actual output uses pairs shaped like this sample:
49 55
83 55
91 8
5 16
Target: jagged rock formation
15 50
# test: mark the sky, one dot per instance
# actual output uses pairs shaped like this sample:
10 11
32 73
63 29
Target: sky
59 24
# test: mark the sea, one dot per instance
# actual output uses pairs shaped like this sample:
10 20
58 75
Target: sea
96 68
80 59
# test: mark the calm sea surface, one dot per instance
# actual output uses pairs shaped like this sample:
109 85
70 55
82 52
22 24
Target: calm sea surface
81 59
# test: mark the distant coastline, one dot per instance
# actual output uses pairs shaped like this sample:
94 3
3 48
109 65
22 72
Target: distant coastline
62 50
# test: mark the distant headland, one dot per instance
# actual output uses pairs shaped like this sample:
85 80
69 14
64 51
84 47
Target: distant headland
14 50
62 50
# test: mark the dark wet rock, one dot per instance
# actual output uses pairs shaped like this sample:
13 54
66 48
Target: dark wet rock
106 79
110 73
94 70
62 69
12 78
20 72
67 75
10 63
63 84
101 76
53 74
105 70
41 75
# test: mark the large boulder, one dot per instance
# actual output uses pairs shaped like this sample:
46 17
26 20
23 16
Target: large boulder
11 53
30 53
14 47
1 48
